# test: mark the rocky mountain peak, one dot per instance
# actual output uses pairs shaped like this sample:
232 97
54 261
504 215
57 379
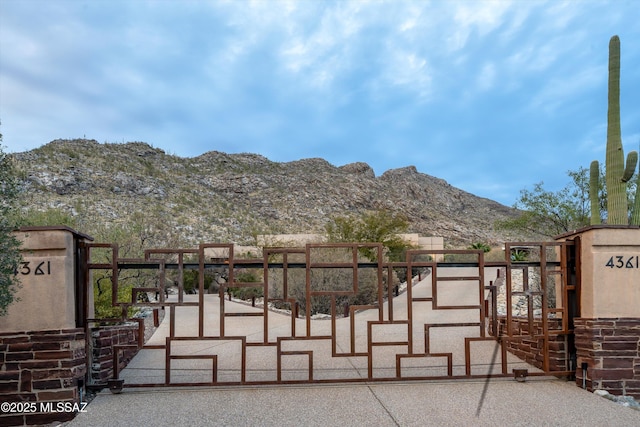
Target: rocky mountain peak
359 168
232 197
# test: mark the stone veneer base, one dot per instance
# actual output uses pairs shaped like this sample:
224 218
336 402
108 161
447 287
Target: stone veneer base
611 350
41 366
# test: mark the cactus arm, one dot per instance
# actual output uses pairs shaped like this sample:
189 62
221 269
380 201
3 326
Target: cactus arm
632 159
594 187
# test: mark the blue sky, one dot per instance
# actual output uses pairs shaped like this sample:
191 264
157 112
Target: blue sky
492 96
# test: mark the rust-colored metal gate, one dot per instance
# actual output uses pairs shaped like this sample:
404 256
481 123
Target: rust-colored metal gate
339 313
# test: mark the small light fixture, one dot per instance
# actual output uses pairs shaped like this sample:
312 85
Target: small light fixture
520 375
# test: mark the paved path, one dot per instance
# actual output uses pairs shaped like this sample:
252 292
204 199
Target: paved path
538 401
507 403
148 365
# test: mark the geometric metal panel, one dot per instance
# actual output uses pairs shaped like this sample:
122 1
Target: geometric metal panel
459 316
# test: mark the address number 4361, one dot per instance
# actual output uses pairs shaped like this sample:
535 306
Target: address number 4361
620 261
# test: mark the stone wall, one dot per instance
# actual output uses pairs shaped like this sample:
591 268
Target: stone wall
531 349
51 366
128 337
611 350
41 366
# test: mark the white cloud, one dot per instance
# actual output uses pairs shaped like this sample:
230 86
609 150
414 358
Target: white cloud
559 14
533 57
481 16
410 72
516 22
322 53
409 24
562 89
267 74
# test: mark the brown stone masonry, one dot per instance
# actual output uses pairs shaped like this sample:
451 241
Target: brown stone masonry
611 350
531 349
41 366
102 349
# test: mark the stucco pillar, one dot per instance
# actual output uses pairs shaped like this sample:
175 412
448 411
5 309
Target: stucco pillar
607 333
51 295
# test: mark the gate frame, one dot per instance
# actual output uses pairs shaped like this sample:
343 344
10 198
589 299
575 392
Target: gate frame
487 307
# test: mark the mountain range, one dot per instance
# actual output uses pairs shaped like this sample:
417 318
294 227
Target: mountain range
220 197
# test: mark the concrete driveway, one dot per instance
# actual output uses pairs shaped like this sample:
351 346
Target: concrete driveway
351 336
539 401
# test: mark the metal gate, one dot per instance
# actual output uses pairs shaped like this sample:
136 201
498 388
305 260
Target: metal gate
339 313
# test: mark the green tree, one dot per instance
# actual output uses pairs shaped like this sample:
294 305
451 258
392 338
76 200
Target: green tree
380 226
9 246
142 231
191 280
548 213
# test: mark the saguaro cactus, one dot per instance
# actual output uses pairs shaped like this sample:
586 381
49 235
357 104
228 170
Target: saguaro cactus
616 173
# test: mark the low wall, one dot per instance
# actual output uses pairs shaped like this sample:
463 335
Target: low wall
37 367
41 366
531 350
105 342
610 348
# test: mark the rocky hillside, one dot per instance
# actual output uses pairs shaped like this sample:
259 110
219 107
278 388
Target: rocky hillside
233 197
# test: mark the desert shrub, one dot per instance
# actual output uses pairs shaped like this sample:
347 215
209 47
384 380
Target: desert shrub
243 292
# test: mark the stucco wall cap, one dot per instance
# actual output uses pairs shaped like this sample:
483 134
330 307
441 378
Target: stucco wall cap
75 233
